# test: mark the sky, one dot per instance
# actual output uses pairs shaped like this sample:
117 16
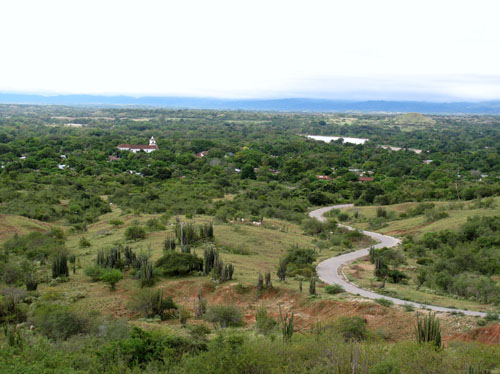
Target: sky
436 50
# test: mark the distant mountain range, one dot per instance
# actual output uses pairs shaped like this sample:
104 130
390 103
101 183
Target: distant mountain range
281 105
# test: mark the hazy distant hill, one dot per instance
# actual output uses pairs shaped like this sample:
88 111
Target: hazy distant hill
293 105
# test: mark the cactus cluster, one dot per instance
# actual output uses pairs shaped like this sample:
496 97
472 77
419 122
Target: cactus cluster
428 330
60 266
146 273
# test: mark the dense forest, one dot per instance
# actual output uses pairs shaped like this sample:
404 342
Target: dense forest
261 157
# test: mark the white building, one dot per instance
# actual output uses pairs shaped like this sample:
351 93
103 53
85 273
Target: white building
138 147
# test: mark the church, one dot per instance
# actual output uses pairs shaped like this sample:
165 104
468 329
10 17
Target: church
136 148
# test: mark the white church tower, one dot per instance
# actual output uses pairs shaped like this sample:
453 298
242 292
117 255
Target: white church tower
152 141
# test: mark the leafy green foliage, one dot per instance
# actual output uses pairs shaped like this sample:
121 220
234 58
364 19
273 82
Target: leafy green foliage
112 277
150 303
224 316
352 328
175 264
59 322
135 233
334 289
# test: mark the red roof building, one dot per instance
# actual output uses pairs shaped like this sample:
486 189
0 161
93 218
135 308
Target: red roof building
201 154
365 179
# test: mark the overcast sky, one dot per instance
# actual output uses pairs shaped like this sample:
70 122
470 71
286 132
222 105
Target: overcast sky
375 49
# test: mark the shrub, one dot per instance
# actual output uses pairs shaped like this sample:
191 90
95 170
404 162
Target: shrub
135 233
31 282
150 303
116 222
11 273
352 328
334 289
263 322
385 367
84 243
12 306
94 272
154 224
225 316
490 316
59 322
174 264
384 302
408 307
112 277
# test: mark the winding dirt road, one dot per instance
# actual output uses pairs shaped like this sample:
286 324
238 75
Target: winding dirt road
330 271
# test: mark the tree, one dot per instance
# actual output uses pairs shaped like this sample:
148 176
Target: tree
135 233
247 172
112 277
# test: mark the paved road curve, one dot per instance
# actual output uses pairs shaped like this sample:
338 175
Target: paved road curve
330 271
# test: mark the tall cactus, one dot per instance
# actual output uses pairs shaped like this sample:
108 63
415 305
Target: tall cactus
428 330
312 286
230 271
267 278
260 283
282 270
286 322
60 266
146 273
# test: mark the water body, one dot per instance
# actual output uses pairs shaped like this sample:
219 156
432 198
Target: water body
328 139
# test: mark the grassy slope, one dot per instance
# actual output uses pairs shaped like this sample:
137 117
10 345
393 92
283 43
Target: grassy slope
361 272
266 245
418 225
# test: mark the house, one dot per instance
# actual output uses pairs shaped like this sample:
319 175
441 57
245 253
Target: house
427 162
113 158
365 179
201 154
136 148
325 178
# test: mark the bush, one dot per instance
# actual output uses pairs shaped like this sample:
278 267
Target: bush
384 302
263 322
11 273
59 322
408 307
112 277
175 264
150 303
135 233
352 328
385 367
94 272
12 306
84 243
490 316
225 316
334 289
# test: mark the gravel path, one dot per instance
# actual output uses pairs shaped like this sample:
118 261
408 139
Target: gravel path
330 271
